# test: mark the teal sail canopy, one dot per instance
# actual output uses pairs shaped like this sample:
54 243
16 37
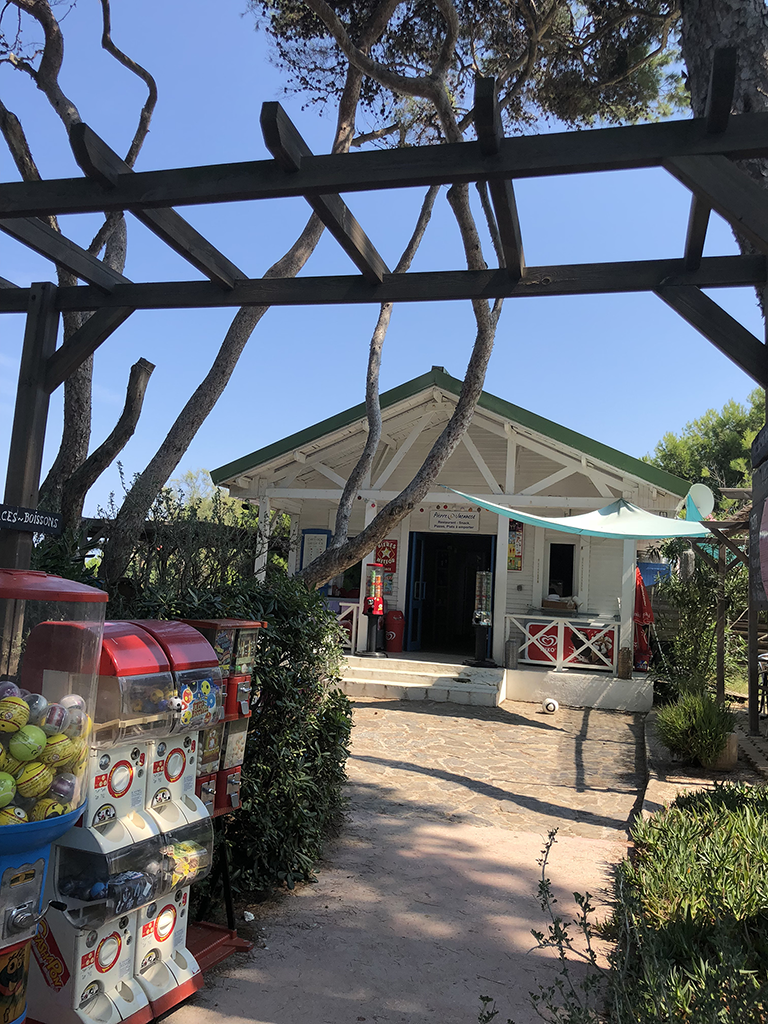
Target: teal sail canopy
621 520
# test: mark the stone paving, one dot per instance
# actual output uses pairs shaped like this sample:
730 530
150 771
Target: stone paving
513 766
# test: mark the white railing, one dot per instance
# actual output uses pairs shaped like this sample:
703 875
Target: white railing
565 643
347 617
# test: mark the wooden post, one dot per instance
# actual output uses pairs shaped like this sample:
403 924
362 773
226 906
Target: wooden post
29 420
752 653
627 628
720 627
265 508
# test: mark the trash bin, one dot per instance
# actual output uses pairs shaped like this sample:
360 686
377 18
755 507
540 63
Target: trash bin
511 652
394 628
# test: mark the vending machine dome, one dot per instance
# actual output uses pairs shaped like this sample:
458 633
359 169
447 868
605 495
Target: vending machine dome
99 880
196 672
134 699
50 639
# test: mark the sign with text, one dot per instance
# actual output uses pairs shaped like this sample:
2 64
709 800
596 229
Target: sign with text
30 520
386 555
455 520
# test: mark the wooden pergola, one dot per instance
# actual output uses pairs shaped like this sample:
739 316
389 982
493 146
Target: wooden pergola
700 153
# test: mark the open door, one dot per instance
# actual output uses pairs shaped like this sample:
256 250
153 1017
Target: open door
416 593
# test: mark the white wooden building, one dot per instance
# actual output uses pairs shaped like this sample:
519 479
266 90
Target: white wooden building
510 457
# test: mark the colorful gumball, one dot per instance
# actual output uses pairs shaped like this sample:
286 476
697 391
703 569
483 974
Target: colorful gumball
47 808
77 723
28 743
12 815
38 706
63 787
76 761
7 763
14 714
7 788
55 719
72 700
9 689
57 750
34 779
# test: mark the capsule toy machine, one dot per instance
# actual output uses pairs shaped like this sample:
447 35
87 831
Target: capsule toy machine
109 895
172 767
222 750
50 636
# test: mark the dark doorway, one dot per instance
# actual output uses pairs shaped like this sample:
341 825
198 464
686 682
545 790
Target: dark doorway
561 570
441 590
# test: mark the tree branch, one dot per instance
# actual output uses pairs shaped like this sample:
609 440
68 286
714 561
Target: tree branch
79 483
372 404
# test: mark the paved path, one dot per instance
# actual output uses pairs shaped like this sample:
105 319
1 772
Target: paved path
427 899
512 766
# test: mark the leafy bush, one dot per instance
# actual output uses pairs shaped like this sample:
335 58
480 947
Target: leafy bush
294 768
695 727
691 919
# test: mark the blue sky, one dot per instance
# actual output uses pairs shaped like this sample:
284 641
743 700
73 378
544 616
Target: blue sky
623 369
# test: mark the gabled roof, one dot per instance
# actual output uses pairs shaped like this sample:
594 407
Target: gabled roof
438 378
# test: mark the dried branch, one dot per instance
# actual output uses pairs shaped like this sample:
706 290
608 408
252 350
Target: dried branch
372 404
79 483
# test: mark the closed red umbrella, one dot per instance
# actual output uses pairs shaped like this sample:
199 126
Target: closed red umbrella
643 611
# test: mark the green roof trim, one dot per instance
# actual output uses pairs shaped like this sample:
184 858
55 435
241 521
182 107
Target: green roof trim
440 379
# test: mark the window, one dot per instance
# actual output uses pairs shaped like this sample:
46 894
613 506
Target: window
562 561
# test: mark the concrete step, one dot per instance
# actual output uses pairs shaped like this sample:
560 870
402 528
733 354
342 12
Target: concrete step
456 693
401 679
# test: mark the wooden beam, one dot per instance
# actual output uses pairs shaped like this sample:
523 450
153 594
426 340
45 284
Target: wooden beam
490 134
30 418
4 283
60 250
104 165
735 550
719 327
577 279
602 149
286 145
722 84
728 190
82 344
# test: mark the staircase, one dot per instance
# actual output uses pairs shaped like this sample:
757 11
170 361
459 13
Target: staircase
422 680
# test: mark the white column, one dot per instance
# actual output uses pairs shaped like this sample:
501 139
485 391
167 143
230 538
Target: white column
260 566
502 545
538 566
295 545
362 620
585 556
627 629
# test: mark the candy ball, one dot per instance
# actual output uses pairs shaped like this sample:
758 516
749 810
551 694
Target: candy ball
48 808
9 689
34 779
14 713
7 788
63 787
7 763
28 743
156 696
78 724
12 815
76 761
57 750
38 706
55 719
72 700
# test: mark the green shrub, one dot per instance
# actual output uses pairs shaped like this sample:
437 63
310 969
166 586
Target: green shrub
691 917
695 727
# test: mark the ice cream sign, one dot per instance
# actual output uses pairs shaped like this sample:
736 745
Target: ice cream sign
455 520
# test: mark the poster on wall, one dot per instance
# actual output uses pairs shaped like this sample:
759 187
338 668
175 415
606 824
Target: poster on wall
386 555
313 544
389 583
515 550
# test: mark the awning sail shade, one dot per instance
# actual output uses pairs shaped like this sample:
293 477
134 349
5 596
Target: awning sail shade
620 520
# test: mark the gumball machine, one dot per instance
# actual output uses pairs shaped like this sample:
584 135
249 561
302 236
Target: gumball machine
373 605
198 702
50 637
